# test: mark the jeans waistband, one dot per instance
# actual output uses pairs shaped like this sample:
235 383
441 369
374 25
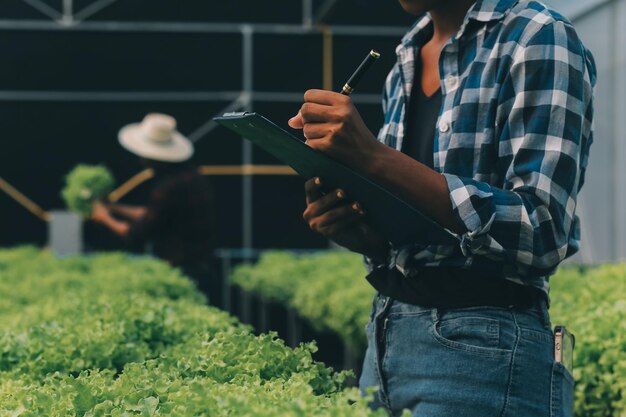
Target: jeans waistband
526 317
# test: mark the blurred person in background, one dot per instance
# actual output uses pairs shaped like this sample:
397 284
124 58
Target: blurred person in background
488 116
177 223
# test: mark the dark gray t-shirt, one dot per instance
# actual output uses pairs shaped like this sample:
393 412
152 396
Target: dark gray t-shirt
421 120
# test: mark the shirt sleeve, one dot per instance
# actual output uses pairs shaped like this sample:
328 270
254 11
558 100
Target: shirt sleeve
544 129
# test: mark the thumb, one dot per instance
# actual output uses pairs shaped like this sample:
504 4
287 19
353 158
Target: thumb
296 122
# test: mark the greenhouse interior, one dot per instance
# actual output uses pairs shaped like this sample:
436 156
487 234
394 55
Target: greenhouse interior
202 214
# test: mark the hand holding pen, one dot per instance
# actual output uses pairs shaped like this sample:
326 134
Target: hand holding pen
331 123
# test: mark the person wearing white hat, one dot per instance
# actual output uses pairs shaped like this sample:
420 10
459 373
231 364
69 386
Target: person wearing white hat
178 220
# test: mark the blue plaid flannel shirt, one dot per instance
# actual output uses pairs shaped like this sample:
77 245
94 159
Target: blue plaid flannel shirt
512 137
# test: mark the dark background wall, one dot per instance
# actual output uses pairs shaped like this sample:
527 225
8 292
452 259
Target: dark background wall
66 91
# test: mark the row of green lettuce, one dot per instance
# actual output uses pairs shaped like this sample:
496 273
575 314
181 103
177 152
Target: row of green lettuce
111 335
329 290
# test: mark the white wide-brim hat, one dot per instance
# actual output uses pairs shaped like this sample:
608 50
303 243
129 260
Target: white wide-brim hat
156 138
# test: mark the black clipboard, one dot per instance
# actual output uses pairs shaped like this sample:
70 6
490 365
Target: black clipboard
397 220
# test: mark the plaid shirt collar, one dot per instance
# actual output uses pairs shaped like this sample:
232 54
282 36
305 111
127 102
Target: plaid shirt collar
482 11
489 10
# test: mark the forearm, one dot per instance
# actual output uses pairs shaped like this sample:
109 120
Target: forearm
130 212
331 124
120 228
420 186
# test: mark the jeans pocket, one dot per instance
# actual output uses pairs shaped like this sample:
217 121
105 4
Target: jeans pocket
480 335
562 392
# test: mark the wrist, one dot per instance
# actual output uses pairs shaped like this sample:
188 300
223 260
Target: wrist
105 217
375 159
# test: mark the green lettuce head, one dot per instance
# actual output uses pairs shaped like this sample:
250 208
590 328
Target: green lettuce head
84 185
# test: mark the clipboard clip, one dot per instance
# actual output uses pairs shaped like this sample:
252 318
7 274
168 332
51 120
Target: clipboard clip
235 114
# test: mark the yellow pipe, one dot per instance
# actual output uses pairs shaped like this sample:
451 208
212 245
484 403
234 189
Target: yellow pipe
246 170
135 181
146 174
26 202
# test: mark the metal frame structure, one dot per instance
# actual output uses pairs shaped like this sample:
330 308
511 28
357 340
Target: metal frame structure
76 21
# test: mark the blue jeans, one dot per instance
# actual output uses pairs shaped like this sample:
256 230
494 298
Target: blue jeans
468 362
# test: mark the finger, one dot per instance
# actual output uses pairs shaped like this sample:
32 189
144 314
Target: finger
323 144
316 130
314 113
296 121
325 203
328 98
313 190
340 226
335 220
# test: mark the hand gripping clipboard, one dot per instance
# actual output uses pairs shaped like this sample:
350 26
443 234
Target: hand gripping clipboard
398 221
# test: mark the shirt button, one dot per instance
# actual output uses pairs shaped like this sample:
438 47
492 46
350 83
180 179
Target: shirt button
444 127
452 83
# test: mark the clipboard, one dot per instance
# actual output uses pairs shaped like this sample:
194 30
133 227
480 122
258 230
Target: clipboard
398 221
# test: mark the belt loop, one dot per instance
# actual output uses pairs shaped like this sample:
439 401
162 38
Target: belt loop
382 305
435 316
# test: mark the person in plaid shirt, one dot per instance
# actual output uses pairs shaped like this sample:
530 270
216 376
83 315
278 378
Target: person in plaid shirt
488 124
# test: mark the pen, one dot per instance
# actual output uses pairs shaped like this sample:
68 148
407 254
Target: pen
350 85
